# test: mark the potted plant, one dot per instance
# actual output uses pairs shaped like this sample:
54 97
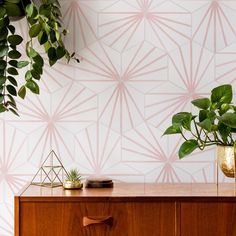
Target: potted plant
73 180
44 27
214 124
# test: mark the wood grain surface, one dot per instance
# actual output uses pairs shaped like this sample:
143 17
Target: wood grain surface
135 210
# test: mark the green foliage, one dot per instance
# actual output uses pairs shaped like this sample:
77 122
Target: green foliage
214 124
44 25
73 175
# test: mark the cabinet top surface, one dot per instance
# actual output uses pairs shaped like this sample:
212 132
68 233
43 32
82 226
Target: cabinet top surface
122 190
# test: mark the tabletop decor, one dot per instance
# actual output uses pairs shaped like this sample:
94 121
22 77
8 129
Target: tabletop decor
51 173
99 182
44 29
214 124
73 180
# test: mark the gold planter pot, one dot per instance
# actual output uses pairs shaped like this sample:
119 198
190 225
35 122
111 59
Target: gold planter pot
225 158
72 184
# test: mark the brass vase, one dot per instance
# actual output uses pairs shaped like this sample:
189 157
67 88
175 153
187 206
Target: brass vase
72 184
225 158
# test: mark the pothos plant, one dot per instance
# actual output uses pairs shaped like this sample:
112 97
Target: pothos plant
214 124
44 28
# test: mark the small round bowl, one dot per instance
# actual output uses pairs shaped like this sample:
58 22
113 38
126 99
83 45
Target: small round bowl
72 184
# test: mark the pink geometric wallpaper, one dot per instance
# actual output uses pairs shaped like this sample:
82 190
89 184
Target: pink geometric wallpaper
141 61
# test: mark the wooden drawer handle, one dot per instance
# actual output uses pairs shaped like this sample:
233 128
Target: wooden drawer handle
90 221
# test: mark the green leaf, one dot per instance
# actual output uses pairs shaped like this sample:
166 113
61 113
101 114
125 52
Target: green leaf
3 33
1 98
12 80
58 36
11 99
12 71
3 50
32 21
52 55
15 39
42 37
212 116
202 103
203 114
3 64
53 38
229 119
52 62
2 80
28 75
4 22
29 10
47 45
13 1
38 60
33 86
222 94
32 52
11 28
13 111
206 124
12 104
22 64
187 148
224 131
38 69
184 119
225 107
22 92
34 30
35 74
13 63
12 9
2 108
12 47
14 54
45 10
173 129
11 90
60 51
2 12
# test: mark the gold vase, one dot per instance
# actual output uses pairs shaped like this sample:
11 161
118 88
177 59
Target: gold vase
225 158
72 184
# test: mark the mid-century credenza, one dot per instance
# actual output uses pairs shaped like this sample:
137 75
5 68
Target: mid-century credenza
127 210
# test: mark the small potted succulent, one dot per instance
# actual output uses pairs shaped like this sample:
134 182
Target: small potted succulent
45 30
73 180
214 124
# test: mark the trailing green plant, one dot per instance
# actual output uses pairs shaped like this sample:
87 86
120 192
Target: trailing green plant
73 175
215 123
44 27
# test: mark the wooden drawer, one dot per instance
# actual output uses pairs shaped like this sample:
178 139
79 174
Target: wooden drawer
66 218
208 219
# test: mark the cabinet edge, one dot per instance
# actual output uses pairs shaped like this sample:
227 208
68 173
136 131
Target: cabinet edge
16 216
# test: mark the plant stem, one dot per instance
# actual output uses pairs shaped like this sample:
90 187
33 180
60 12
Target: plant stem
183 136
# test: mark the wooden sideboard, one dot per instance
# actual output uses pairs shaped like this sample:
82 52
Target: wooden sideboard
127 210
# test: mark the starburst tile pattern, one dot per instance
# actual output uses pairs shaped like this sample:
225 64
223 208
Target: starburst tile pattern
226 65
98 153
141 61
14 167
190 77
52 120
213 24
6 219
126 23
124 82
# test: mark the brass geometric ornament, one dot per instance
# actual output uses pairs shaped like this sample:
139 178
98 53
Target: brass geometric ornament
51 173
